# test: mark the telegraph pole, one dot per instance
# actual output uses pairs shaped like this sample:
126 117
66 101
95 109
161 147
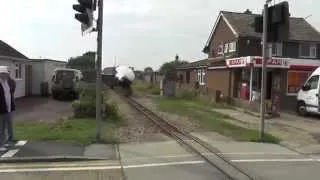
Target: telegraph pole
98 69
264 68
274 25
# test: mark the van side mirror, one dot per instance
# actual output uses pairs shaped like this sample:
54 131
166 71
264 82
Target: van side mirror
53 77
306 87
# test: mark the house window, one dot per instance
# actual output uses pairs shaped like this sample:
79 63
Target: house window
18 71
308 50
277 49
225 48
200 76
220 49
232 46
295 80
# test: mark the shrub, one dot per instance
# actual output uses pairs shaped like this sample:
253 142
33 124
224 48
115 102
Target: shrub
110 111
85 107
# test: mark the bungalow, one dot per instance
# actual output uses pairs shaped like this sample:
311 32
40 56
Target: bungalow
28 73
233 66
19 68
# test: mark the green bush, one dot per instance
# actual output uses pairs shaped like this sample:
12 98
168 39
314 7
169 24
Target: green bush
111 111
85 107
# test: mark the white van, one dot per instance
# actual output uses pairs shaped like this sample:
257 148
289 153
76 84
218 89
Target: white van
308 96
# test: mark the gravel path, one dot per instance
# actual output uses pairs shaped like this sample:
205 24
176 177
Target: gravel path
137 128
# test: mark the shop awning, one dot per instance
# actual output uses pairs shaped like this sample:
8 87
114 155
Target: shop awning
274 62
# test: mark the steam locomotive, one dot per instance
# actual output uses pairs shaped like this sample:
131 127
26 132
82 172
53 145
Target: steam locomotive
119 78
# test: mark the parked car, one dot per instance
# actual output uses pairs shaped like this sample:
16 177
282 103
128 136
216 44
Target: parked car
308 96
66 83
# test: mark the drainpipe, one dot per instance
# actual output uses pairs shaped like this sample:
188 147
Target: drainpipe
251 78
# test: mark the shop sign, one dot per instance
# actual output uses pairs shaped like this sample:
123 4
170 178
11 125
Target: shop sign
274 62
237 62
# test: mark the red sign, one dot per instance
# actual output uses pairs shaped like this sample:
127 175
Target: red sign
274 62
236 61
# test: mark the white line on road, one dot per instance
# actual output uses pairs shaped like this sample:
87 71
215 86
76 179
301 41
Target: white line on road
163 164
21 143
55 169
10 153
274 160
97 167
207 154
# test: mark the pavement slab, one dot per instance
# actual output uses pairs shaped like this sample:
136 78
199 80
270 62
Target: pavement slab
51 149
38 149
100 150
164 160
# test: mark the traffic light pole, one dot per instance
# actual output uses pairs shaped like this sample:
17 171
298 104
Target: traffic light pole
98 69
264 68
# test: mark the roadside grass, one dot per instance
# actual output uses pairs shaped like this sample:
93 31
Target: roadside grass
202 113
140 86
79 131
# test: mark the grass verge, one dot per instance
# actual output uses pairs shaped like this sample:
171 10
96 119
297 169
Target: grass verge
139 86
80 131
203 114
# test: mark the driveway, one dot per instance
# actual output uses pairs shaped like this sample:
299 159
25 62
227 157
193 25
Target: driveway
43 109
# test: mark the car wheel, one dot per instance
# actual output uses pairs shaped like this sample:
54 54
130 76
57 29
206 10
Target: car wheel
301 109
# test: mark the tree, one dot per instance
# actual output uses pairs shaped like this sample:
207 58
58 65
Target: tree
86 64
148 70
170 67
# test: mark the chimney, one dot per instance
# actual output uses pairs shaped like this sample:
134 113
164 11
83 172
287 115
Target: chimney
177 57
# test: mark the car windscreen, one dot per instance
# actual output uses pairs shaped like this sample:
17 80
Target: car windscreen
64 74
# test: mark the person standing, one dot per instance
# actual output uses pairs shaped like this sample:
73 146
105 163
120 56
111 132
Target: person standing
7 88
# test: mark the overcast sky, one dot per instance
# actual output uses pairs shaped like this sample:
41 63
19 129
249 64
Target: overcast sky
136 32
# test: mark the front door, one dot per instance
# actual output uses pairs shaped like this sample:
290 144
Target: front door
311 94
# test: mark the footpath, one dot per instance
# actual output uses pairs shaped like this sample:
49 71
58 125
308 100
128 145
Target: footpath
301 134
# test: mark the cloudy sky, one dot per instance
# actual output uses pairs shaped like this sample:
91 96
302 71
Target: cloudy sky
136 32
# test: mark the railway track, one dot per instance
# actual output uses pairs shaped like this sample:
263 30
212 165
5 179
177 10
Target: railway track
194 144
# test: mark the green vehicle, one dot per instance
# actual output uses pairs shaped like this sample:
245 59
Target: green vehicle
66 83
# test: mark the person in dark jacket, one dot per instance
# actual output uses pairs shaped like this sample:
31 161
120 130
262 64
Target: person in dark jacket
7 106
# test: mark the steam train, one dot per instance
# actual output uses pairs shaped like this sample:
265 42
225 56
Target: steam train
120 79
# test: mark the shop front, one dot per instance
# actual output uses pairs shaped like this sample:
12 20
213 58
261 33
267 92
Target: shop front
284 78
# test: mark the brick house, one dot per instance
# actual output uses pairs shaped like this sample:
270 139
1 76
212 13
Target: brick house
233 66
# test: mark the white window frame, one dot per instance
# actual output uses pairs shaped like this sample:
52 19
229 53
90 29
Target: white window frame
225 48
232 46
18 71
200 76
220 49
278 47
312 47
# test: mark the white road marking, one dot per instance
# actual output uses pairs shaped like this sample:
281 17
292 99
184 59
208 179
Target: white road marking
259 153
207 154
21 143
274 160
10 153
163 164
96 167
72 168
